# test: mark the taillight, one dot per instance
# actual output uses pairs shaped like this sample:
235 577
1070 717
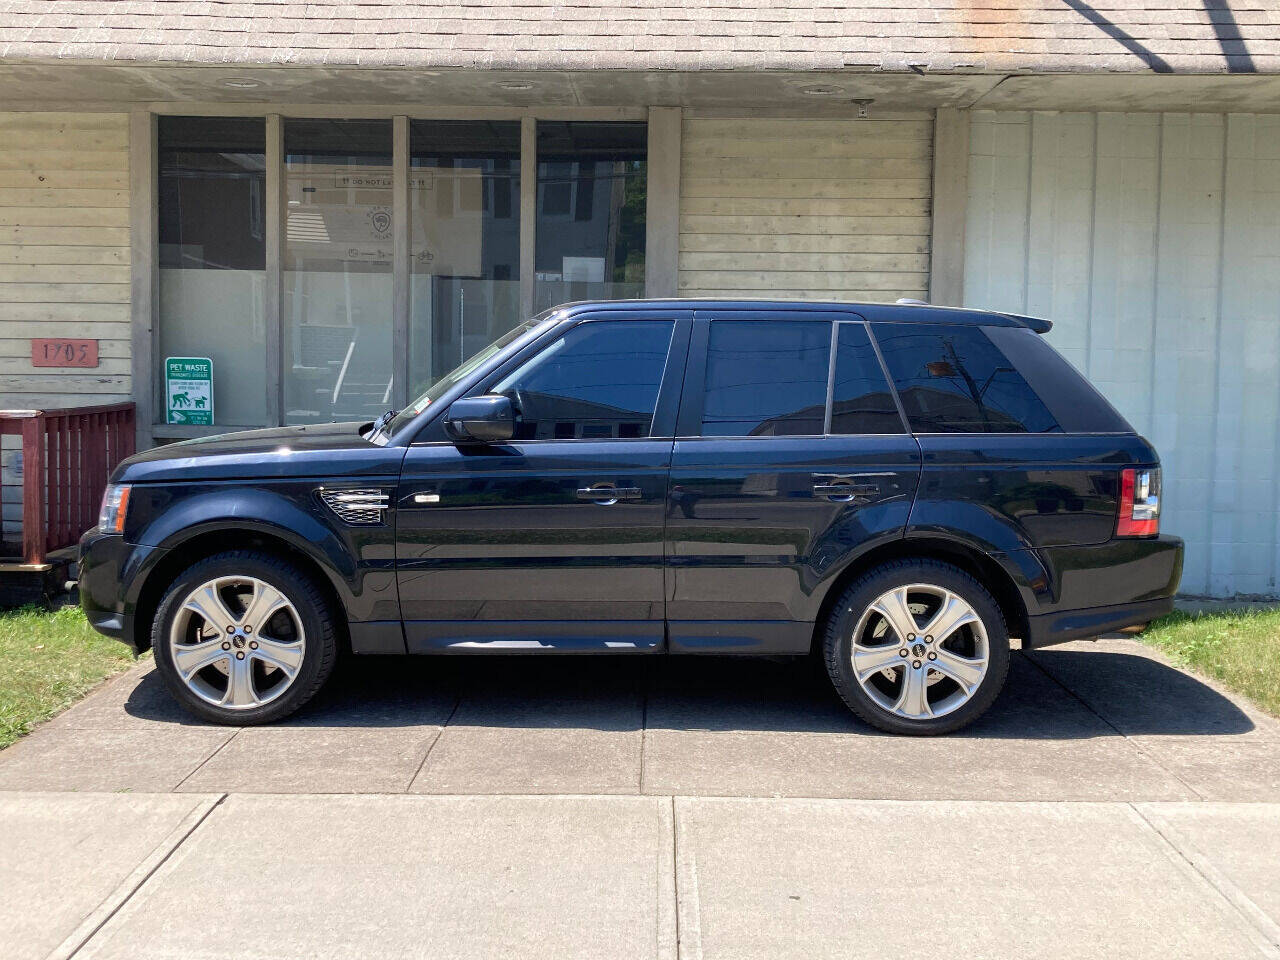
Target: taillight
1139 514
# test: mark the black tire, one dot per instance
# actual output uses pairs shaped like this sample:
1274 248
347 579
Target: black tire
314 611
855 600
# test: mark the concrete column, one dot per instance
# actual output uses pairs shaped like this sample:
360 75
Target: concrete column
143 291
662 209
950 198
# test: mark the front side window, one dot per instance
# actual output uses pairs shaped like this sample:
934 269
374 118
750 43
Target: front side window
598 381
766 378
212 261
952 379
590 237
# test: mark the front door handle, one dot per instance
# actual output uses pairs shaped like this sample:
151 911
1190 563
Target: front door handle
606 494
845 490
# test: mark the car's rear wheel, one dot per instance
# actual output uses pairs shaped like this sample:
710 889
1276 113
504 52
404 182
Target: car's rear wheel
917 647
243 638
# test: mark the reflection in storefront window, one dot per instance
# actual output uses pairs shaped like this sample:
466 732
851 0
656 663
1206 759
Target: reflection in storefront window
212 176
591 211
464 252
337 270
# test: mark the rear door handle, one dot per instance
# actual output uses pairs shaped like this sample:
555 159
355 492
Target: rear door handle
607 493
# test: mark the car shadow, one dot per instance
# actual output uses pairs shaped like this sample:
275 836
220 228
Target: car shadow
1050 695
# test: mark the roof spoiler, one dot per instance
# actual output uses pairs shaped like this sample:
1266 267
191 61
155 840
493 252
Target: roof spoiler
1038 324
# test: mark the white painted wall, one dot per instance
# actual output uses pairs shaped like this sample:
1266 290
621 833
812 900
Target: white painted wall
812 209
1153 243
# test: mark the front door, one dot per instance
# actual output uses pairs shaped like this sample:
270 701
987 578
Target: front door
792 458
553 540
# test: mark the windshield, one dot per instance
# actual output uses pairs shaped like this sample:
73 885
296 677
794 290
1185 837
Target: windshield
460 373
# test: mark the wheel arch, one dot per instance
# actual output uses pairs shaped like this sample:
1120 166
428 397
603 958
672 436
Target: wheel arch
981 566
207 543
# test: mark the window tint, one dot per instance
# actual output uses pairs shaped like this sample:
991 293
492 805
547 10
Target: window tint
861 401
599 380
952 379
766 378
1073 401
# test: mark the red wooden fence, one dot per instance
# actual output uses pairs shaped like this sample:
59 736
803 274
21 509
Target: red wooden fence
67 456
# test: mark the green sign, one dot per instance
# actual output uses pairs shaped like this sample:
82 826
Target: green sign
188 390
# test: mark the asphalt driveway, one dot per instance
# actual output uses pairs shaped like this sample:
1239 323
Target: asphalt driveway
576 807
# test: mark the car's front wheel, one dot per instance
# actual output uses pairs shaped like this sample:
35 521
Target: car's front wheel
244 638
917 647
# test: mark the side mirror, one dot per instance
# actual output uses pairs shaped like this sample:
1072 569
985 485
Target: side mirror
485 419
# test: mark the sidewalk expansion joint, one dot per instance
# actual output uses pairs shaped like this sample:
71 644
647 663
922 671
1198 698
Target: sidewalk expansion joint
432 745
1259 927
1120 733
126 889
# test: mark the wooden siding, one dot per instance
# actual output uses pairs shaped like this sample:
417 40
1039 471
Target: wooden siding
1153 243
64 253
814 209
64 267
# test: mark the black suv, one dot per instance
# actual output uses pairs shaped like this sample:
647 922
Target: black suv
897 488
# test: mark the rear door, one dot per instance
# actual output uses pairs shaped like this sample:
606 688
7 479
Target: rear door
791 457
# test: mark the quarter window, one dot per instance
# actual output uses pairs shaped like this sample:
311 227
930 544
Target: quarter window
952 379
861 401
766 378
598 381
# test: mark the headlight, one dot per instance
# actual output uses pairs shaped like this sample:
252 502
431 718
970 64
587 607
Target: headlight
115 504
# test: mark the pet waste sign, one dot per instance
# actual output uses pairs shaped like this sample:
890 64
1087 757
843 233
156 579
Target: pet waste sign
188 390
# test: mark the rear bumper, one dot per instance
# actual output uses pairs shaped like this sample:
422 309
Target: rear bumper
1092 622
1107 587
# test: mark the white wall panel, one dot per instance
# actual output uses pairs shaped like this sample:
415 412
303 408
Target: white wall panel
1153 243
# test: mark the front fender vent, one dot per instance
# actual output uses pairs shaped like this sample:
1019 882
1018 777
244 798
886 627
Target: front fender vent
359 507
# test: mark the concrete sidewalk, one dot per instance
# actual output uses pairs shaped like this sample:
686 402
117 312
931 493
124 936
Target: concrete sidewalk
1109 805
328 876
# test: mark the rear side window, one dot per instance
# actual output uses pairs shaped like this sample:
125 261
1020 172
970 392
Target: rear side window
953 379
861 401
598 381
1074 402
766 379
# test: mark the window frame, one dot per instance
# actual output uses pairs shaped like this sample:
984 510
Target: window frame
144 205
693 401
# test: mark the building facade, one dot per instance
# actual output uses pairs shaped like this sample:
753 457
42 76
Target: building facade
337 203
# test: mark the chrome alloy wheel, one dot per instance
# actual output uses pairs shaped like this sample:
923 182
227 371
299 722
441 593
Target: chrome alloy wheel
237 642
920 651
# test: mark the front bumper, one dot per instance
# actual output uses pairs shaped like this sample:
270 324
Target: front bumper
110 579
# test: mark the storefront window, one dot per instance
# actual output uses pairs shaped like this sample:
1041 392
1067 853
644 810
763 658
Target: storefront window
212 180
337 270
591 211
464 252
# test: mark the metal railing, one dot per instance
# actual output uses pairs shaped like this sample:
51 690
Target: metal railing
67 456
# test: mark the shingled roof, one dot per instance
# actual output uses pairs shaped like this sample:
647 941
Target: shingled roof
997 36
